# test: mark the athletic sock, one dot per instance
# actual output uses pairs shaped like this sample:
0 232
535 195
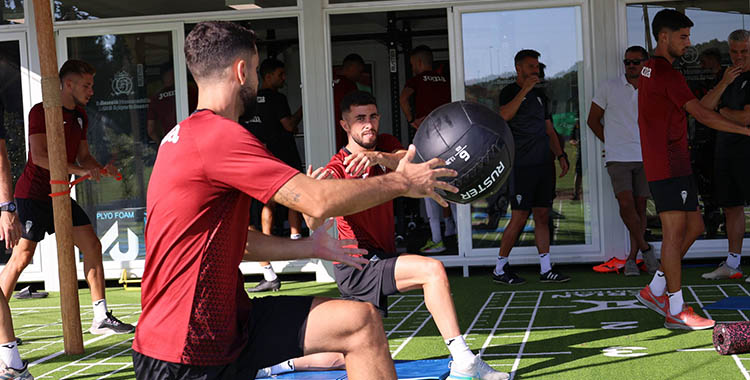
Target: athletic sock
295 236
501 261
10 356
545 263
268 273
459 350
283 367
733 260
658 284
100 310
675 302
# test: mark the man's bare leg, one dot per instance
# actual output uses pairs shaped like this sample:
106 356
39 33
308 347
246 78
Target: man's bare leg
354 329
19 260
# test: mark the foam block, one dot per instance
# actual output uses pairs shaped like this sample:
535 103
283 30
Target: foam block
732 338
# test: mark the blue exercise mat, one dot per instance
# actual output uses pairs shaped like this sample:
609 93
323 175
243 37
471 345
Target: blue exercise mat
433 369
730 303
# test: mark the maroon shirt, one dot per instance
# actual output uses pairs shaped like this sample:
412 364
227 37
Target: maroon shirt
662 93
431 90
373 228
195 310
34 182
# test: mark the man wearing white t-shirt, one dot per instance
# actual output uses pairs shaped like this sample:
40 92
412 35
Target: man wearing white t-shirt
615 106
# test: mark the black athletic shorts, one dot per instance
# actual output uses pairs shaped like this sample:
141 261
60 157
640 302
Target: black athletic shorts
373 284
36 217
675 194
532 186
731 181
276 333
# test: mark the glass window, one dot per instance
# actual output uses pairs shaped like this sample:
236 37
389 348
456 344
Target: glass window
490 41
11 109
11 12
66 10
702 66
133 85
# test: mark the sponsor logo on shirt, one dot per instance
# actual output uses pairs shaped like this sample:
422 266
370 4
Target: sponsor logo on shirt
539 98
646 72
173 136
434 78
255 119
261 99
743 84
80 122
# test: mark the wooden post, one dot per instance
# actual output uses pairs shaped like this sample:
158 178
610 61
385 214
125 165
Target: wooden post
71 316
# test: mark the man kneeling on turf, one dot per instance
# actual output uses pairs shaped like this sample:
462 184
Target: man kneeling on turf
367 155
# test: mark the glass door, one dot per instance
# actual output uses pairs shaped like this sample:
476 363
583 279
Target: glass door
489 39
14 105
138 97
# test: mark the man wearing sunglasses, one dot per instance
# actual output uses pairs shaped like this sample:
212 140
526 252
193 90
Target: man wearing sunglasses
615 106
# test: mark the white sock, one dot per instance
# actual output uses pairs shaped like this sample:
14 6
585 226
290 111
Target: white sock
295 236
733 260
501 261
545 263
268 273
658 284
100 310
459 350
283 367
675 302
10 356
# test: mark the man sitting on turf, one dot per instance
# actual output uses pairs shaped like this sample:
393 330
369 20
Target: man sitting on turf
368 155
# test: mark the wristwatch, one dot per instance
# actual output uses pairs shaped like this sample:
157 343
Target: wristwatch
8 206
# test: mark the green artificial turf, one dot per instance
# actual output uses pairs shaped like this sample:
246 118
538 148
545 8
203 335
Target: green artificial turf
564 342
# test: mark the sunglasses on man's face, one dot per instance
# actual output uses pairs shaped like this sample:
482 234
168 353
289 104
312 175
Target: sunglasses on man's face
629 62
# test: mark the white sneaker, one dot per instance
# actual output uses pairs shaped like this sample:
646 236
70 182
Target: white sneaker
476 370
724 271
265 372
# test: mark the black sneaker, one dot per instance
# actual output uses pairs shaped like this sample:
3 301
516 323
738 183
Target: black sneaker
552 276
110 325
265 286
508 277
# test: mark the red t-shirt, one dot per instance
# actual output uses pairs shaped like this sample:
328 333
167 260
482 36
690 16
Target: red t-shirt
373 228
162 106
342 86
662 92
195 310
431 90
34 182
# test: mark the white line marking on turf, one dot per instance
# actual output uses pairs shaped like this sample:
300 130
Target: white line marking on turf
696 349
494 327
530 328
100 362
56 354
525 338
533 354
726 295
404 319
476 317
742 367
406 341
125 366
93 354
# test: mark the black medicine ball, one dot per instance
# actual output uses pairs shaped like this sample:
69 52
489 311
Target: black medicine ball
474 141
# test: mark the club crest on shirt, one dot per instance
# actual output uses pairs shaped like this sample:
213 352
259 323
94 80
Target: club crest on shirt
683 194
646 72
261 99
519 197
80 122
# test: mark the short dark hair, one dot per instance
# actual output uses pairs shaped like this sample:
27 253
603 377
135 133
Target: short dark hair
670 19
213 45
356 98
74 66
353 58
424 53
268 66
637 49
525 53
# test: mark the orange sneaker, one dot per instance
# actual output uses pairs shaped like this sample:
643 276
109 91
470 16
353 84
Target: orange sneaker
659 304
613 265
688 320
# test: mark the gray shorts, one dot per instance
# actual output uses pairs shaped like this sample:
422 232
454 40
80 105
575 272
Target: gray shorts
628 176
